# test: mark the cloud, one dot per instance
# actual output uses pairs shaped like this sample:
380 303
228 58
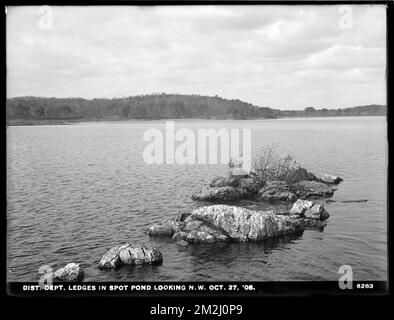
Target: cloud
278 56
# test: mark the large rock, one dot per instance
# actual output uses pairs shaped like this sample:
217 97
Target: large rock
71 272
331 179
276 191
309 209
223 222
312 189
130 254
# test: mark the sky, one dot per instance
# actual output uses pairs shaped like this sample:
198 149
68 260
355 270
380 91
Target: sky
283 57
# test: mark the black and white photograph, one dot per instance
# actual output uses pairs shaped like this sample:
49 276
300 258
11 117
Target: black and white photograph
196 147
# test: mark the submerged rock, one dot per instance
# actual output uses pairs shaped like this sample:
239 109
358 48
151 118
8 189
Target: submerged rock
130 254
276 191
71 272
231 223
331 179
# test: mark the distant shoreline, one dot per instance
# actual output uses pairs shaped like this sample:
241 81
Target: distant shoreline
50 122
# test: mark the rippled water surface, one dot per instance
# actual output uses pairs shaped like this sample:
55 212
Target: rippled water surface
73 191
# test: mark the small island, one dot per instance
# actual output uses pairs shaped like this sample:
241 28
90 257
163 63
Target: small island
272 179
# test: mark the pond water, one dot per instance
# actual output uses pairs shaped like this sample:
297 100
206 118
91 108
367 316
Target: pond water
74 191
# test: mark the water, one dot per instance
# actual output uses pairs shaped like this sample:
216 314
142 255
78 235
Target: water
74 191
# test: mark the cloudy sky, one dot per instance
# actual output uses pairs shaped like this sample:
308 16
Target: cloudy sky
287 57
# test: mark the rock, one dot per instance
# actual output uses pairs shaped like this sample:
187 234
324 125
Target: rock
309 209
221 194
316 212
300 206
331 179
231 223
71 272
276 191
130 254
297 173
311 189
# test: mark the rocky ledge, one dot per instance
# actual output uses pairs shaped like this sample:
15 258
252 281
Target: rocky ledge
234 188
130 254
232 223
281 191
71 272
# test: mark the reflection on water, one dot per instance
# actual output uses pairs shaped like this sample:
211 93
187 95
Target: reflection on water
75 191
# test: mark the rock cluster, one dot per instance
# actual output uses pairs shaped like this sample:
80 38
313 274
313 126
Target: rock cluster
232 223
234 188
222 222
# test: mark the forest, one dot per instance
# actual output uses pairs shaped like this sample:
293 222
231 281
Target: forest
161 106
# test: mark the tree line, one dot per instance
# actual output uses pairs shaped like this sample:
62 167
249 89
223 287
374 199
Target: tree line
155 106
161 106
368 110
